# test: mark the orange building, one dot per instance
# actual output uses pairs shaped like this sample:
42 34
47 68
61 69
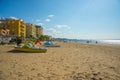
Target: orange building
39 31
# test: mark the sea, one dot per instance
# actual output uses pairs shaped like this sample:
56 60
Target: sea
109 41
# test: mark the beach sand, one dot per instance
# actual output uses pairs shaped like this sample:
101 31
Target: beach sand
70 61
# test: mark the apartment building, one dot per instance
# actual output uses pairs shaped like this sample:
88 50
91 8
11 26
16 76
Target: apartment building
39 30
30 30
16 26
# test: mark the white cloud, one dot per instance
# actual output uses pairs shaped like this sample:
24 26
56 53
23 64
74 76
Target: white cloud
58 30
52 30
40 24
62 26
47 20
51 16
38 20
13 18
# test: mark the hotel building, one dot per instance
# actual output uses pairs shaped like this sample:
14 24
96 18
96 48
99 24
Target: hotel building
30 30
16 26
39 30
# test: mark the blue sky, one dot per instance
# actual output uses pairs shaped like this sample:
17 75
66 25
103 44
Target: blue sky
78 19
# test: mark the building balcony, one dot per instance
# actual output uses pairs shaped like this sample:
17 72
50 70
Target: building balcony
22 32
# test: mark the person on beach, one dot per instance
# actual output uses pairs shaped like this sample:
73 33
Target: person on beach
18 41
96 42
37 42
87 41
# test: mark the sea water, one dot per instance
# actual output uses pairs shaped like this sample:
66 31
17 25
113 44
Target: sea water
95 41
110 41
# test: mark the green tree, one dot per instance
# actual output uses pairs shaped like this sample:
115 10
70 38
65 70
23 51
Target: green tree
44 37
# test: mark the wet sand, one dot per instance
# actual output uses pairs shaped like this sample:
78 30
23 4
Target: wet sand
70 61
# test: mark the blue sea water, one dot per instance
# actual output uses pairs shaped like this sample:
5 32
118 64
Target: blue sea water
93 41
110 41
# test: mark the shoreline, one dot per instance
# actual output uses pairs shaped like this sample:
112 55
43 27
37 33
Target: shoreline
116 42
104 44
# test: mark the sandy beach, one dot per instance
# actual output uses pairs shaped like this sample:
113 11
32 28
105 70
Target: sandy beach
70 61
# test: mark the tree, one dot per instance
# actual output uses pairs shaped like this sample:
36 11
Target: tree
44 37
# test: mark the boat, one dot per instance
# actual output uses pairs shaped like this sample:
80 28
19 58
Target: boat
28 49
31 50
50 44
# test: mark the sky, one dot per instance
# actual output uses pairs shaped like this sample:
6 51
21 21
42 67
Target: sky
73 19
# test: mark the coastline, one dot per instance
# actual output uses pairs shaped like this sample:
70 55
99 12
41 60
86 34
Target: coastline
70 61
93 41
